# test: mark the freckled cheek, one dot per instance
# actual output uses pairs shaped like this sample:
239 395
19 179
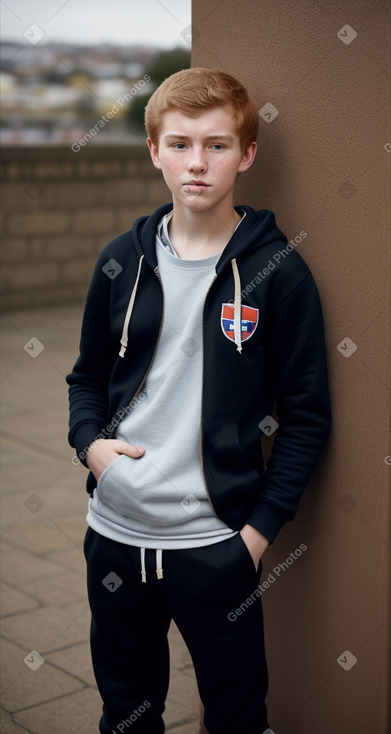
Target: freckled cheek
225 173
171 172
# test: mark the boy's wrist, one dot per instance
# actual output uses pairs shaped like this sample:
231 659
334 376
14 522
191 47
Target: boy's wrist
255 541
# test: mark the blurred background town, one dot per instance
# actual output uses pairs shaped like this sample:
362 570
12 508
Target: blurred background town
63 68
57 94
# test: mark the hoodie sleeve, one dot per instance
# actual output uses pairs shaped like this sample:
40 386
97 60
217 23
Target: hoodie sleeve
302 406
89 379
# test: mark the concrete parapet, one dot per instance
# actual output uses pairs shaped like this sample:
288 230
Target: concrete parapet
59 208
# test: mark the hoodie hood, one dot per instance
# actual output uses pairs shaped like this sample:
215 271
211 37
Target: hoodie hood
257 230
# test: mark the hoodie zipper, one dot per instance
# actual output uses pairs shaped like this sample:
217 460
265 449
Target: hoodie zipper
142 383
202 398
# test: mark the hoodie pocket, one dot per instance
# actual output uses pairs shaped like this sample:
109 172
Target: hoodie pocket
228 473
111 476
136 490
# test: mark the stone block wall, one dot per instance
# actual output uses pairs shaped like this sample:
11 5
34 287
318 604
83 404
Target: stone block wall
59 209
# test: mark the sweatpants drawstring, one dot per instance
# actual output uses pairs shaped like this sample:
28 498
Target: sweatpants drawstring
143 571
159 564
159 567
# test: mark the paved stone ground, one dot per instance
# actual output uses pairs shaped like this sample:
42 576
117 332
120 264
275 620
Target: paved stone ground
44 604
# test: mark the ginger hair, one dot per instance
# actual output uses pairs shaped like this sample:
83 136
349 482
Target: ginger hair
193 90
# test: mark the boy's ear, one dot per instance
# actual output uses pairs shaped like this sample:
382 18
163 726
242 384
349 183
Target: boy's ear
154 151
248 158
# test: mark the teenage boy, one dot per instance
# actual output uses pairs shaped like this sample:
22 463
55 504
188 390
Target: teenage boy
198 322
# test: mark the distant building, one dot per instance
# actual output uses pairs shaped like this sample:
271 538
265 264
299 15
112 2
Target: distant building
58 91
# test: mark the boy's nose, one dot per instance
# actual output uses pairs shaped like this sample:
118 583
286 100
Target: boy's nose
197 161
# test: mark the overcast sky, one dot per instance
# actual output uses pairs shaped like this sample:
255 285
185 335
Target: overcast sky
128 22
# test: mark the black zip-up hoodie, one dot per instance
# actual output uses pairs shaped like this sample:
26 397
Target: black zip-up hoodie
272 354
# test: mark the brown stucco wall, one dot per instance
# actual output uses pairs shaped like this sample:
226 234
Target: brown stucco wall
322 167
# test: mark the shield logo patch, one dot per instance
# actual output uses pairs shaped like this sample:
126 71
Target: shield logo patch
249 321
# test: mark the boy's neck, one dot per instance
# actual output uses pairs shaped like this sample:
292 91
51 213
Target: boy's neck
196 235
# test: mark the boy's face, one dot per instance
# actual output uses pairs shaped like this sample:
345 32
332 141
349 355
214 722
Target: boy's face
200 157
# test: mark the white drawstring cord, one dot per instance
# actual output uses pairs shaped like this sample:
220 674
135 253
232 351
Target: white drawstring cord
143 571
159 567
237 307
124 337
159 564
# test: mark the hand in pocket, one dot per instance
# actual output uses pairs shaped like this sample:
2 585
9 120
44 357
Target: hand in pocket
104 451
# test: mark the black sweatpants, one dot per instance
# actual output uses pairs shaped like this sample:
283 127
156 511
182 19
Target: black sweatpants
210 593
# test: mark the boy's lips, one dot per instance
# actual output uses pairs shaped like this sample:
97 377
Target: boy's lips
195 186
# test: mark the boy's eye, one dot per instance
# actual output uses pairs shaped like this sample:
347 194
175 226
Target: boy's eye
182 146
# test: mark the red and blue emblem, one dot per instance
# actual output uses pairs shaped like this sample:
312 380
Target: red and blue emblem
249 321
